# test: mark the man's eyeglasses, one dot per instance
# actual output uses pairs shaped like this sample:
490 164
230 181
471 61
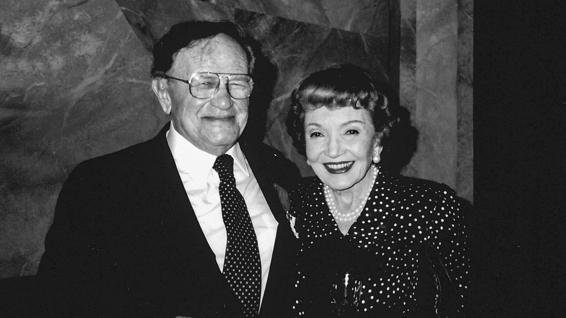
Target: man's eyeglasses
203 85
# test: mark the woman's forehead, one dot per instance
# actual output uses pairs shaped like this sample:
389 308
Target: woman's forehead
336 115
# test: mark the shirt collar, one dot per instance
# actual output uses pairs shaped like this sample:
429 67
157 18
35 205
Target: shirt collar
196 163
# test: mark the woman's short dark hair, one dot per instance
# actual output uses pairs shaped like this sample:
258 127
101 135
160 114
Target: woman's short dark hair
187 34
343 85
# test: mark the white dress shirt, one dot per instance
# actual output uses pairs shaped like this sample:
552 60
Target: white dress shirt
201 183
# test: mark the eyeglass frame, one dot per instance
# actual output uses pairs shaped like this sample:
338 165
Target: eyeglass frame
218 75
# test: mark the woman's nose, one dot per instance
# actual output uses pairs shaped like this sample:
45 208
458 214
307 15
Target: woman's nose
334 147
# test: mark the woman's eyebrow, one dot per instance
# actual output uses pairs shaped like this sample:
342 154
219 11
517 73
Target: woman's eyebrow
312 124
354 121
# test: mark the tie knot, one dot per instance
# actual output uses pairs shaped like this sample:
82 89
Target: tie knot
224 165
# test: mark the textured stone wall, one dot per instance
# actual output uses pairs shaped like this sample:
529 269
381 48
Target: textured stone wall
74 84
436 81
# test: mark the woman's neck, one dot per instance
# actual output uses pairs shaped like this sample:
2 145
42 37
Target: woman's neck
346 205
349 199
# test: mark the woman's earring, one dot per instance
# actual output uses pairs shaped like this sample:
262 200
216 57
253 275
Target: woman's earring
376 158
308 162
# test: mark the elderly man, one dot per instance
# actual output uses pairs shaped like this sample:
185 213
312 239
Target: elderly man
188 223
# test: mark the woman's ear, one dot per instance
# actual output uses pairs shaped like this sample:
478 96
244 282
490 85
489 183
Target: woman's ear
159 87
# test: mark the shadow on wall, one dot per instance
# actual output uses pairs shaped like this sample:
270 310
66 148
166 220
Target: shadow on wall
401 144
265 75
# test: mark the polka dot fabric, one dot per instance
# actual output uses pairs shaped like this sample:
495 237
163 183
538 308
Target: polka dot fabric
242 265
402 219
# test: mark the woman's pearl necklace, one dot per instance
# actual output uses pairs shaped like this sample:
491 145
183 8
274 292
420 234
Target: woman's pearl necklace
352 215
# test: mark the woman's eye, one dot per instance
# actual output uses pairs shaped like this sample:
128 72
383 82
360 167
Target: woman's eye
315 134
352 132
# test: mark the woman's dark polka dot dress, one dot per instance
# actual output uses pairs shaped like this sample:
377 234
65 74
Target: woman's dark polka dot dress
406 225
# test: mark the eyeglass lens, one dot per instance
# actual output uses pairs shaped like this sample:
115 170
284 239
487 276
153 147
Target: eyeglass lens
205 85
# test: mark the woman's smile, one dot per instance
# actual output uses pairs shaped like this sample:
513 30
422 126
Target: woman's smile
338 167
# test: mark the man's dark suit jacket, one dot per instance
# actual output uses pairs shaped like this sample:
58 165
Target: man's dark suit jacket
125 241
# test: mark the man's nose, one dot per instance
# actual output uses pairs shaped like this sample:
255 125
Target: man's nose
222 98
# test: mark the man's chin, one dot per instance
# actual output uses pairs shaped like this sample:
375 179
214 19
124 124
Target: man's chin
222 140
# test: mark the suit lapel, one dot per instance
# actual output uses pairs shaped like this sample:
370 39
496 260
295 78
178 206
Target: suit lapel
260 164
282 261
179 217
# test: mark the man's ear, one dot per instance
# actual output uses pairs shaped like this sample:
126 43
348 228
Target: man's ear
159 87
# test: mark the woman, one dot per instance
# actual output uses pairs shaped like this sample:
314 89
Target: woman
371 244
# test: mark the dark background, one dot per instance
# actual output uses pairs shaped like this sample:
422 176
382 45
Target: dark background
520 113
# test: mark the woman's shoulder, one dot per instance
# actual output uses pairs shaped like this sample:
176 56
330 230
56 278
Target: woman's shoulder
416 187
427 195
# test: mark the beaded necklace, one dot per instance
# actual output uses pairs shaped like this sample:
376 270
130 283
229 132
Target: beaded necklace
352 215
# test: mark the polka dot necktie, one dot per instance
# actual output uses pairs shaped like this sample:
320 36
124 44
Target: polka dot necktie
242 265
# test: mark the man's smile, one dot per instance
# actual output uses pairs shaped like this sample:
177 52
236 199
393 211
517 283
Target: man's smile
219 118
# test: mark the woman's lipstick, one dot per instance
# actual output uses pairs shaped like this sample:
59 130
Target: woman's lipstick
338 167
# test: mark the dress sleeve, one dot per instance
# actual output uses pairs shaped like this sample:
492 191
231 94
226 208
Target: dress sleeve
449 238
